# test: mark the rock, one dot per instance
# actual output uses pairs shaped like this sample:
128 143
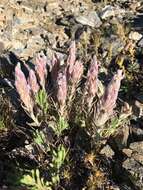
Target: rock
140 43
18 47
128 152
109 11
135 36
90 19
107 151
137 151
135 170
137 146
137 130
34 44
138 158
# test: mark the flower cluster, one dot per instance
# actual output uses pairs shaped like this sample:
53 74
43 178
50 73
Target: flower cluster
91 85
23 88
66 75
105 106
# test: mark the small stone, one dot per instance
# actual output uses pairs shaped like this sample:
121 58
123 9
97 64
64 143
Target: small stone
140 44
17 46
135 36
131 164
107 151
127 151
91 19
138 158
109 11
136 171
138 131
137 146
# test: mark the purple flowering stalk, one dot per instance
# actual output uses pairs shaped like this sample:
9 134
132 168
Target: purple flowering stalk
61 90
91 85
71 59
105 106
75 78
55 64
76 73
74 70
32 81
24 91
40 68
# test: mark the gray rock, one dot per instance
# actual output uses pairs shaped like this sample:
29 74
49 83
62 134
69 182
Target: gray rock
107 151
137 146
136 171
140 43
90 19
109 11
137 131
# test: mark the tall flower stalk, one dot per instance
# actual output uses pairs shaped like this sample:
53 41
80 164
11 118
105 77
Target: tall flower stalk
32 81
55 66
105 106
91 85
23 89
75 77
74 70
71 59
40 68
61 90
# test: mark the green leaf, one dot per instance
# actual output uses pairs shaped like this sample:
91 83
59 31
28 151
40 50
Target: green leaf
40 138
42 100
2 125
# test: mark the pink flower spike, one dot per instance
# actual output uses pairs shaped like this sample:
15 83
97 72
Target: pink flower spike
71 58
32 81
91 85
111 93
61 90
55 67
23 88
77 72
40 68
105 106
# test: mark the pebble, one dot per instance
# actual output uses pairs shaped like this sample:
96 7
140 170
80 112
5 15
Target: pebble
107 151
136 171
135 36
91 19
140 44
137 146
109 11
128 152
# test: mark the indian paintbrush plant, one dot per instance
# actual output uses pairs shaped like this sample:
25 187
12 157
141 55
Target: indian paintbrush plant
68 95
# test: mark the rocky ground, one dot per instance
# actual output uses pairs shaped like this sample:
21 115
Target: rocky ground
113 30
